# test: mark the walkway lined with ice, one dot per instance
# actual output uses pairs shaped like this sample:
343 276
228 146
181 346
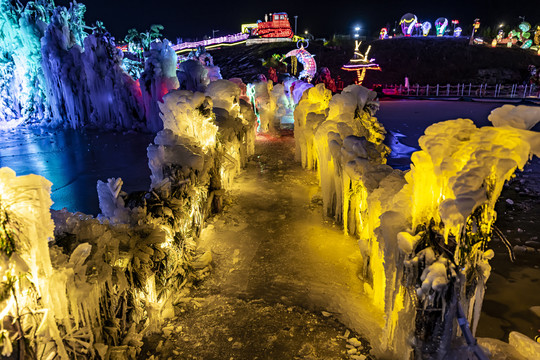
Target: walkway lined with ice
271 245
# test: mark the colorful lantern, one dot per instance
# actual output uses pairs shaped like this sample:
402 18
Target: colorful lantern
383 34
407 23
527 44
524 26
426 27
306 59
440 26
457 32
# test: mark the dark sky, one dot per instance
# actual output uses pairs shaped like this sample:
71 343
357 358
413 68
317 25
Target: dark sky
198 18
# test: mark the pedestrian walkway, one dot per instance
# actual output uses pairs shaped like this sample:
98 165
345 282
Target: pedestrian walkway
275 254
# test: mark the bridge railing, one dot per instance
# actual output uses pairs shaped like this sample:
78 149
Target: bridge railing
228 39
468 90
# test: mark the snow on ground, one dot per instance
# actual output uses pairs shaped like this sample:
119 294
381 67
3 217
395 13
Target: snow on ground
274 258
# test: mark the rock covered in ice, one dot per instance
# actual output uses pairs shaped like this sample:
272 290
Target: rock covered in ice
521 116
499 350
111 202
192 76
407 242
535 310
190 115
524 345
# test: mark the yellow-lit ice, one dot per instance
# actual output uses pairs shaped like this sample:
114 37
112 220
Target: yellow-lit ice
451 189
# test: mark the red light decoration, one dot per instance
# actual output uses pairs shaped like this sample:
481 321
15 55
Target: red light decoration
279 27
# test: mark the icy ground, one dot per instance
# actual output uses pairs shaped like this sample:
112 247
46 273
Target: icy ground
276 262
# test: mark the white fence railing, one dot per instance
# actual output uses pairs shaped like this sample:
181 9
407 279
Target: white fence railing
469 90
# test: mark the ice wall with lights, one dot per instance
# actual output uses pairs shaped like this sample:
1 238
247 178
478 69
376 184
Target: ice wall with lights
424 233
87 86
22 86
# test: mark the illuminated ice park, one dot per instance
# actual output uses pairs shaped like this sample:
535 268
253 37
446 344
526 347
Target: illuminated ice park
157 202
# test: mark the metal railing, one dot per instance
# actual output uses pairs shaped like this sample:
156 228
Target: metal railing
464 90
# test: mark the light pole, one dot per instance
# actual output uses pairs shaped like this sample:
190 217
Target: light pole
295 19
214 33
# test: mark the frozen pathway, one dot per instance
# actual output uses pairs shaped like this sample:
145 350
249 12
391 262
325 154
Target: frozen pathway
272 249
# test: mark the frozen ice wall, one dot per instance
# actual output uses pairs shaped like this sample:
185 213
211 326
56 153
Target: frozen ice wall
423 232
217 123
22 86
237 127
87 87
349 114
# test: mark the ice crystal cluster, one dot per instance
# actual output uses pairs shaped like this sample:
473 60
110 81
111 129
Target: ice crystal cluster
423 233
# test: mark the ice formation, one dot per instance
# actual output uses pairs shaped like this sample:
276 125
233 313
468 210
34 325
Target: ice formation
22 86
424 231
87 87
520 117
53 72
264 104
310 112
158 78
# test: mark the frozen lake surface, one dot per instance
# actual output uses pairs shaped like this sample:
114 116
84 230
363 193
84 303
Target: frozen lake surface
75 160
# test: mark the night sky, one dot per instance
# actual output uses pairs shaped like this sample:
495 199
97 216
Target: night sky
183 19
